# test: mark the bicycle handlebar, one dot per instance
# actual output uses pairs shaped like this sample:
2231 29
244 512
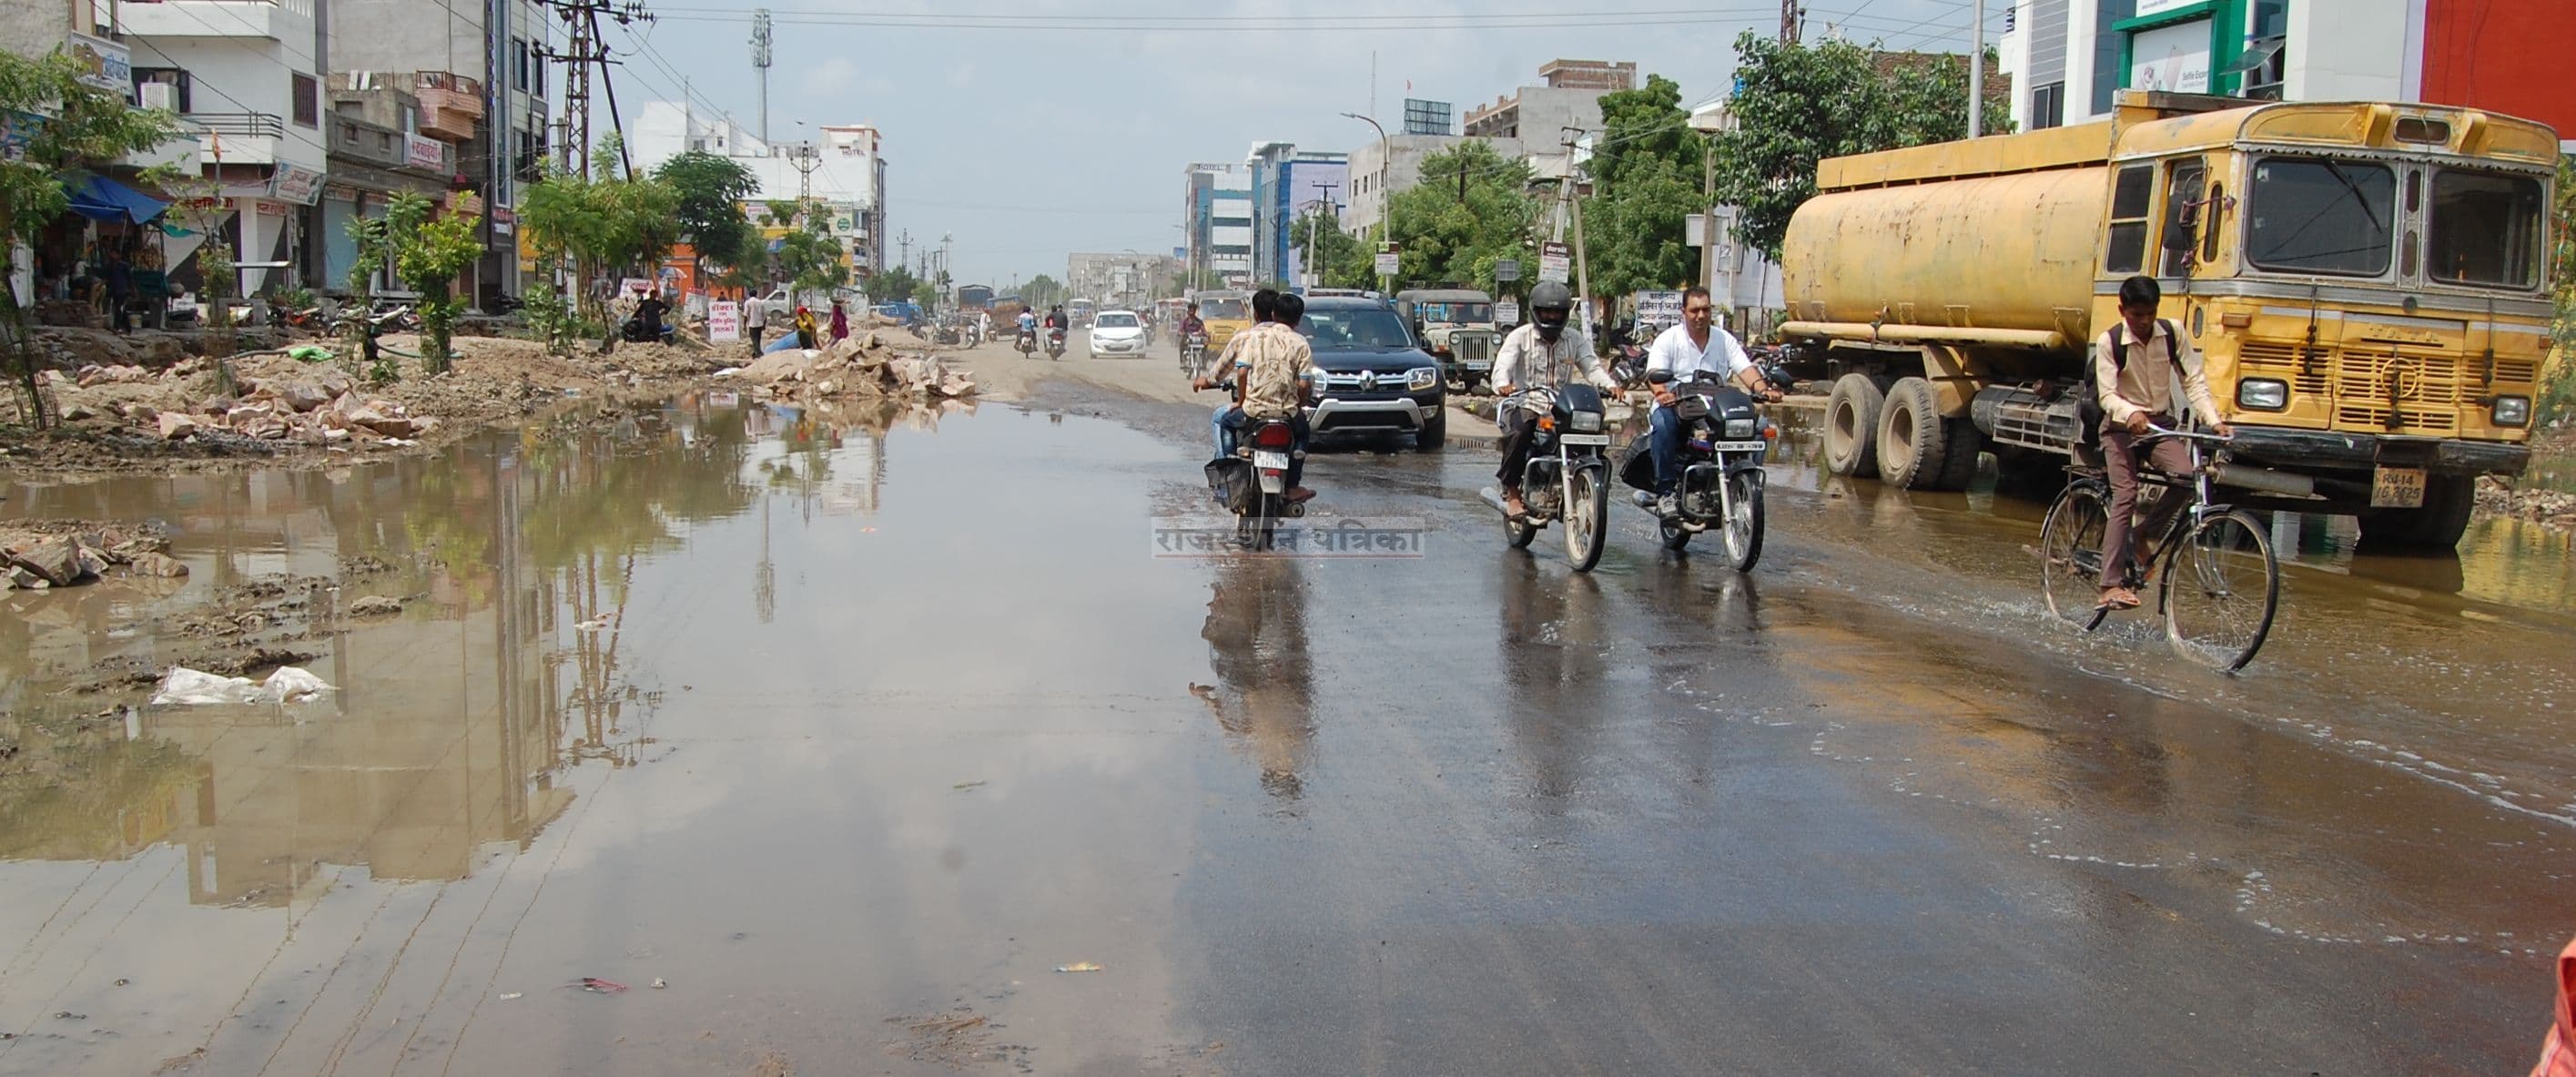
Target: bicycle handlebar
2156 433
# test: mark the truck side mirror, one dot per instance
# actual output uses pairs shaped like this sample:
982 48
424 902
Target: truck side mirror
2178 237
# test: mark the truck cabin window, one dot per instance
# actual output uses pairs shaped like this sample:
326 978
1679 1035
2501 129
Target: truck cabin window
2126 249
1457 312
2485 229
2313 216
2182 211
1221 310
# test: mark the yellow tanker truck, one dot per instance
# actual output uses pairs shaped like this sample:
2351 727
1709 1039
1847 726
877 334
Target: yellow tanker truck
2368 284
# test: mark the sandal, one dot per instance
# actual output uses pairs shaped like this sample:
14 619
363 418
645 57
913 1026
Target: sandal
2117 598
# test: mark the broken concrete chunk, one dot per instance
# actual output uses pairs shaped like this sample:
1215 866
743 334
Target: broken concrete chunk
158 565
375 606
175 426
55 561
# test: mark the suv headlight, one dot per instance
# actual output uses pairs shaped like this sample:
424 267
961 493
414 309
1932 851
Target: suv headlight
1422 377
2513 411
1739 428
2263 394
1586 422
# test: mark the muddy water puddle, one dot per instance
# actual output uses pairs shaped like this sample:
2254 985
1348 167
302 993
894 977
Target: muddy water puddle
691 693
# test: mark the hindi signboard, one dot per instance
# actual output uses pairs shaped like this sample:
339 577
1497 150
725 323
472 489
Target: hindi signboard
1659 308
1507 312
1388 262
104 64
1555 262
724 322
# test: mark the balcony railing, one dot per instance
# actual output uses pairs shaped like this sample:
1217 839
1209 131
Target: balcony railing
238 124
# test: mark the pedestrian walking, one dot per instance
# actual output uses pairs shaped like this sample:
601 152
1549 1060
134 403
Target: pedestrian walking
755 319
840 323
120 291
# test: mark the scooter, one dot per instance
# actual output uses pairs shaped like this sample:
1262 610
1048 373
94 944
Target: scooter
1568 475
1724 442
1055 342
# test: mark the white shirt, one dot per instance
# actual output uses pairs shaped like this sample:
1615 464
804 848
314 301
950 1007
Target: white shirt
755 314
1526 362
1674 351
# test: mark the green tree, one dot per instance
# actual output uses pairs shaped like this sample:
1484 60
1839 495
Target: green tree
710 191
603 224
1342 259
1445 234
2558 391
76 127
428 251
1802 103
1646 181
1042 291
894 284
810 258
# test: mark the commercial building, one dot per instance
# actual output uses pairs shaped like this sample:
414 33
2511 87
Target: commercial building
1380 170
383 142
479 75
844 172
1121 278
1568 95
1217 224
2069 57
1289 183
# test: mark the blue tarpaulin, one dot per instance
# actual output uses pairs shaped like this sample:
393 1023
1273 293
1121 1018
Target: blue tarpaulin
102 199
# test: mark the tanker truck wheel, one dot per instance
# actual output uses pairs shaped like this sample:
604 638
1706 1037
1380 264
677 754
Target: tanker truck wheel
1851 426
1915 445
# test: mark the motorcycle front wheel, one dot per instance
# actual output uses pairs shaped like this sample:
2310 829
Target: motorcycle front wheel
1744 522
1587 513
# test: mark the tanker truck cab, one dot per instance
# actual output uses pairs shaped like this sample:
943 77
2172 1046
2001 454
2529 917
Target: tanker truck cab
2367 285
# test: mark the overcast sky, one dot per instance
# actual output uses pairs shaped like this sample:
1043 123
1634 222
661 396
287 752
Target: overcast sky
1032 129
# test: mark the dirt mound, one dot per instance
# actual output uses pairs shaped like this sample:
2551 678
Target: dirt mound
861 366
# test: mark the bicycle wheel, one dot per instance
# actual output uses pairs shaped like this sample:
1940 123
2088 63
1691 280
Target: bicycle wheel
2220 590
2070 556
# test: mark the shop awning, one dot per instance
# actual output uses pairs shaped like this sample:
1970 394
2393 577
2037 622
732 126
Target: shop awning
102 199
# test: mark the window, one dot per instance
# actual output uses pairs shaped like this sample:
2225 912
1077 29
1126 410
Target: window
2048 105
411 119
308 102
2127 249
2319 216
519 64
2485 229
2182 195
537 68
1365 329
175 98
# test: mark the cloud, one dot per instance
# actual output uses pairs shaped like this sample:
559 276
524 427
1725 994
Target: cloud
834 76
962 76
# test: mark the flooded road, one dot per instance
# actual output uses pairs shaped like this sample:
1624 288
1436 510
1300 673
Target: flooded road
851 733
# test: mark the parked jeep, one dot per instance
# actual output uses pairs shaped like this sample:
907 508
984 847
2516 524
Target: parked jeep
1457 327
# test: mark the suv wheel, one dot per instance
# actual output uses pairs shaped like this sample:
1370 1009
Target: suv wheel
1434 433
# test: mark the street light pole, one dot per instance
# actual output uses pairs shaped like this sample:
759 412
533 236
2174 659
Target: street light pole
1385 203
1977 70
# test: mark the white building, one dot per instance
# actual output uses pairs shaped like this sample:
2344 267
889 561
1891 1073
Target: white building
246 75
1380 170
845 169
1218 223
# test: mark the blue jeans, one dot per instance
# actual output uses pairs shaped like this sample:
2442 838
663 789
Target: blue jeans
1230 422
1664 436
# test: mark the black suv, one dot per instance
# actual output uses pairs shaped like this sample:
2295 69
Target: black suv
1377 377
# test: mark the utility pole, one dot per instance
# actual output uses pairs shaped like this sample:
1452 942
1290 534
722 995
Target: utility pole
1791 14
1977 69
1315 231
581 20
1582 263
905 259
760 59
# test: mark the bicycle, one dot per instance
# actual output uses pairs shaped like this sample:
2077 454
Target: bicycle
2218 584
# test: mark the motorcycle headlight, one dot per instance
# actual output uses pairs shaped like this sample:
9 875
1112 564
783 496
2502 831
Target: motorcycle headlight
2263 394
1422 377
1739 428
1587 422
2513 411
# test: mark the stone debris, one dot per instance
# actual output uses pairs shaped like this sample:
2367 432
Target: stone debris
2497 497
35 562
863 366
375 606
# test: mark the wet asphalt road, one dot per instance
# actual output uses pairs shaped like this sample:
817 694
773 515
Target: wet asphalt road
853 738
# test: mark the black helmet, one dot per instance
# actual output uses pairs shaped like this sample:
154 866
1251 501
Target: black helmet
1550 295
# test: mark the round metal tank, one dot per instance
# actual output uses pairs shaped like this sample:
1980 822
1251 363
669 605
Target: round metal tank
2011 249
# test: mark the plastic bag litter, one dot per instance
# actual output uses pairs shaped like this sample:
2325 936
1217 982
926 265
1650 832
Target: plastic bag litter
189 687
309 353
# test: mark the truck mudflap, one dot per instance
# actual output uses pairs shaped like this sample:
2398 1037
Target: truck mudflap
2327 449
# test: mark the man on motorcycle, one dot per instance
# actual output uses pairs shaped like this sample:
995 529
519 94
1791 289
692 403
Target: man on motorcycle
1190 325
1265 313
1272 371
1538 356
1697 346
1028 324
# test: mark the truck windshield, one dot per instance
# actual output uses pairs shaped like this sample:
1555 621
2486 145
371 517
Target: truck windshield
1222 310
1461 313
1355 330
2314 216
2485 229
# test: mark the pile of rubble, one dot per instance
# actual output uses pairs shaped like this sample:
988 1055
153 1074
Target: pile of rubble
2496 497
306 404
33 561
859 366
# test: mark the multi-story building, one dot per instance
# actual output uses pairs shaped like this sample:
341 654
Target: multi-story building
1380 171
843 173
246 77
1218 221
479 74
1120 279
1568 96
380 147
1289 183
2069 57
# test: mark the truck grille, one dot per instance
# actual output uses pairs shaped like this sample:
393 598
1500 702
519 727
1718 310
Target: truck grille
1472 347
2385 386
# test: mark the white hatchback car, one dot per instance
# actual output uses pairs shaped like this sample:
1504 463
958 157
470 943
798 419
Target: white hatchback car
1116 332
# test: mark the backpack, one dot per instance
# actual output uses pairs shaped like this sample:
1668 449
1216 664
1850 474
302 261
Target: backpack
2088 406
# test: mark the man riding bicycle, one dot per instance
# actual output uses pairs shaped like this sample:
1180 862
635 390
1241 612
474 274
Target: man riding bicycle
2136 364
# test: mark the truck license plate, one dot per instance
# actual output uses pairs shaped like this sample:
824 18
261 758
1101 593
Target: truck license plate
2397 488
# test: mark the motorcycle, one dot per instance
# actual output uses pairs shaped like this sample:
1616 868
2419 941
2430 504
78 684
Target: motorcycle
1193 354
1724 442
1568 475
1055 342
397 316
634 332
1028 342
1253 483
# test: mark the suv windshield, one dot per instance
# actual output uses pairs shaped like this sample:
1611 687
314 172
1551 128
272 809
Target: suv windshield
1221 310
1366 329
2313 216
1471 313
2485 229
